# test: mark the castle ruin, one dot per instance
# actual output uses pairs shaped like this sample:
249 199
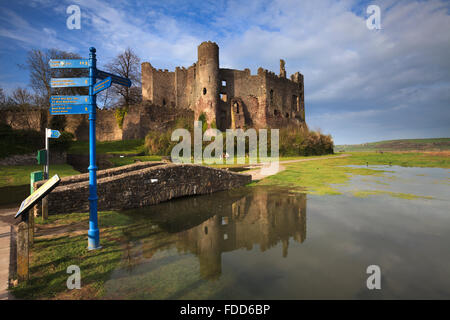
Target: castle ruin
229 98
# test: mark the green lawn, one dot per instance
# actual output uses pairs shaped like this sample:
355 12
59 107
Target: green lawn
109 147
20 175
117 161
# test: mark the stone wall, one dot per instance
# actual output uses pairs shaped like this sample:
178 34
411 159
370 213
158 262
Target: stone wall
141 184
107 128
25 119
30 159
144 117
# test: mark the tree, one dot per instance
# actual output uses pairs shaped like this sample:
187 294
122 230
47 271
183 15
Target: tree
41 74
127 65
23 101
2 98
21 97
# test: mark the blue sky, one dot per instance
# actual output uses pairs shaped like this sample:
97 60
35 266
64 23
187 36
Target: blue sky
361 85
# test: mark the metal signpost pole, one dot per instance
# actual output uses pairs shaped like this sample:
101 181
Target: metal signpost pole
93 233
46 167
46 175
63 105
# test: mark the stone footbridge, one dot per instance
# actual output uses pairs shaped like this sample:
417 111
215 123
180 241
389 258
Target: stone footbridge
141 184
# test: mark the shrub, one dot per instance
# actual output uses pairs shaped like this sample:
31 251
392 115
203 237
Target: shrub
159 142
120 115
293 141
302 142
58 123
202 118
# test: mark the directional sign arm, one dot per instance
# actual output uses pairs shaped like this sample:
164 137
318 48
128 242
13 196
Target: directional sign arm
68 63
69 100
102 85
69 82
70 109
115 79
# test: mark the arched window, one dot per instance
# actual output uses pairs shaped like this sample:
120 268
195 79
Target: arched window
271 96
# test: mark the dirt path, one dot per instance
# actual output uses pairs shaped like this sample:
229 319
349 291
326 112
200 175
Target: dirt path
259 174
6 220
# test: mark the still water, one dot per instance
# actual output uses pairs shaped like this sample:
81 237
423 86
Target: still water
276 243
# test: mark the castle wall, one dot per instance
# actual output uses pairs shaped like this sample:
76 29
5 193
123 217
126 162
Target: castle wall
107 128
207 82
282 99
158 86
142 118
147 81
250 89
23 119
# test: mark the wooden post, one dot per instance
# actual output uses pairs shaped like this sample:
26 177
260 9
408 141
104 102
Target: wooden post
23 250
31 228
44 208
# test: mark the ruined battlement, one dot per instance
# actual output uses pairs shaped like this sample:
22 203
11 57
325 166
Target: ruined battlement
229 98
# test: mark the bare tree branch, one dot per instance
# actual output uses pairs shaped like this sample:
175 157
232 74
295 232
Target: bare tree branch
127 65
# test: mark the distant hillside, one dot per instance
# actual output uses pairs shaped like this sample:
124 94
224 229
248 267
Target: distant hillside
435 144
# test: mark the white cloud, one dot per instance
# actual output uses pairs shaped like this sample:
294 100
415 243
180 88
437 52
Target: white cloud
354 77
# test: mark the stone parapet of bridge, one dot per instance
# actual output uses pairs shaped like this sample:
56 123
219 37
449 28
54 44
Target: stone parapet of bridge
141 184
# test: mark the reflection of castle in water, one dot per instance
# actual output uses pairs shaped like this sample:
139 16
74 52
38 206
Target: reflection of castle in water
260 218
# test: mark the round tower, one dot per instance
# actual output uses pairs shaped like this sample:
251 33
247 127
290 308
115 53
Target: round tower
208 81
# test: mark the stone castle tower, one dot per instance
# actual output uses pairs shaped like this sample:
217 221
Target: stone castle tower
229 98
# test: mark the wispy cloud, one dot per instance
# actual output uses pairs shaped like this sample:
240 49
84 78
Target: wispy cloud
392 80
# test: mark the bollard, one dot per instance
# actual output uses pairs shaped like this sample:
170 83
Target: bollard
22 251
44 208
31 229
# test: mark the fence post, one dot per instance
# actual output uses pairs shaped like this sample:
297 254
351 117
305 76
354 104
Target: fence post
23 249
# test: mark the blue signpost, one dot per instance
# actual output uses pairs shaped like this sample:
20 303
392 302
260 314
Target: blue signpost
78 105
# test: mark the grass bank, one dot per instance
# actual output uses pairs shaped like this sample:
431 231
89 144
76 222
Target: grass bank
52 254
117 161
20 175
432 144
109 147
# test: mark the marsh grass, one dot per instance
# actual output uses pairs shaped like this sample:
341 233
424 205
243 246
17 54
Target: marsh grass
401 195
321 176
